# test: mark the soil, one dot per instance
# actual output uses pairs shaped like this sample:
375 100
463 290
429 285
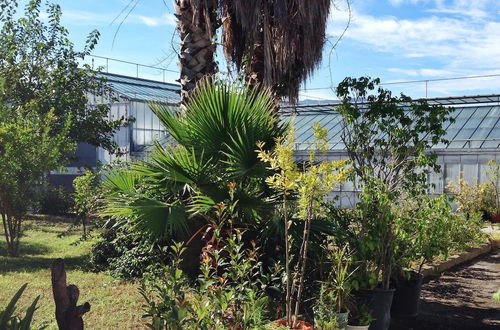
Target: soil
460 299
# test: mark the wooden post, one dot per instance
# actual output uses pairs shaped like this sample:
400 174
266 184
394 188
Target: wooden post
68 314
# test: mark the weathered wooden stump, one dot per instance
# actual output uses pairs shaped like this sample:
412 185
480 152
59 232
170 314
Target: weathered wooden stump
68 314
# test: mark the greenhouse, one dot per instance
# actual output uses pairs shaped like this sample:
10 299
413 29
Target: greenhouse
474 136
130 98
474 139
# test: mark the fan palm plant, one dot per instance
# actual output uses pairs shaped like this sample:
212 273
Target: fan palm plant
215 142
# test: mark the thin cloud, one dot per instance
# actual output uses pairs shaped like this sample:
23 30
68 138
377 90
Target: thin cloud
74 17
422 72
166 19
472 9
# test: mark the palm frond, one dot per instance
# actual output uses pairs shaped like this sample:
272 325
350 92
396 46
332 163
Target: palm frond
172 121
25 323
120 181
201 204
155 219
219 112
176 164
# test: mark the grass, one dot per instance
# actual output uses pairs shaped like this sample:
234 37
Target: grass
114 304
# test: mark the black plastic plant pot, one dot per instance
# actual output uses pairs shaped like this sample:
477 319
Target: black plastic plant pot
379 302
407 296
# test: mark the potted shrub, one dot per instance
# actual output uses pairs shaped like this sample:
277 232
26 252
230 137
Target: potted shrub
310 183
424 232
325 317
387 139
326 314
360 319
375 247
335 293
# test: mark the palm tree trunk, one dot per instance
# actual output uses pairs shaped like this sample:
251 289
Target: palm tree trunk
197 24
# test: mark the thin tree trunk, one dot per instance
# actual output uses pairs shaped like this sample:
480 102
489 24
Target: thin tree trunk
196 23
84 224
18 220
303 262
6 231
12 229
287 265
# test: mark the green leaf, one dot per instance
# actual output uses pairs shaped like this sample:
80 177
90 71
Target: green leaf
8 312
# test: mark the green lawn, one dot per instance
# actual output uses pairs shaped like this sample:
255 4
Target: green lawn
114 304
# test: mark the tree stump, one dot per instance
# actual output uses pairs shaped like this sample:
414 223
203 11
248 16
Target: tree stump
68 314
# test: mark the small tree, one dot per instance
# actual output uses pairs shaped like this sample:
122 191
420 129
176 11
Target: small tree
389 141
87 197
39 63
31 144
312 181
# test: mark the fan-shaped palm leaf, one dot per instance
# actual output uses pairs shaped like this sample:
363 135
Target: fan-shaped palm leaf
225 122
176 164
146 216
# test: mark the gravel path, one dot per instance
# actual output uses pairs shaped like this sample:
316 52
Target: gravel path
461 299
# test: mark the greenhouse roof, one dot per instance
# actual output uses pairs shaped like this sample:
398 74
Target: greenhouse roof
138 89
477 124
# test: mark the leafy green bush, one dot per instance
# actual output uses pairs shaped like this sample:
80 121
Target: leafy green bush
231 291
425 228
9 321
166 302
55 201
467 232
325 316
134 262
361 315
388 139
123 256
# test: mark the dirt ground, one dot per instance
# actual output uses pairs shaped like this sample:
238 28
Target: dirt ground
461 299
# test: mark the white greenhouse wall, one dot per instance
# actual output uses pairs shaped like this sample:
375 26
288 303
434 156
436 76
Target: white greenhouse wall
471 165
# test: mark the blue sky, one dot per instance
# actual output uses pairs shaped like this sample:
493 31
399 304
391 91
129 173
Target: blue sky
396 40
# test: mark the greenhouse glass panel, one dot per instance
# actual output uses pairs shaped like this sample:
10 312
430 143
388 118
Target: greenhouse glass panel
303 124
140 116
436 179
139 138
469 173
330 122
148 118
493 138
465 126
307 130
148 137
485 128
156 123
452 174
